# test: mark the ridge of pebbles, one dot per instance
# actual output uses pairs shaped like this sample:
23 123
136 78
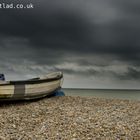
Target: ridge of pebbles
70 118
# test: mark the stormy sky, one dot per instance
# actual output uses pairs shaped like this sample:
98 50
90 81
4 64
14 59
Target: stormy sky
96 43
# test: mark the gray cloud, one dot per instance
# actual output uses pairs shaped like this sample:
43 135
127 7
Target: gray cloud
131 74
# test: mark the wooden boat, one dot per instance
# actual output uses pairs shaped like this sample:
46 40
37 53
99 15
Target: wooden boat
32 88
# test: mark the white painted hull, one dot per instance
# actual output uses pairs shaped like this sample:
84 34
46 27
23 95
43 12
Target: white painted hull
31 89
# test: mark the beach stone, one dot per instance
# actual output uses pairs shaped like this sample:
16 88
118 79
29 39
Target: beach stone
73 139
2 138
80 120
70 113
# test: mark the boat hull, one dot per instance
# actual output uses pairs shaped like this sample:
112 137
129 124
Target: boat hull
31 89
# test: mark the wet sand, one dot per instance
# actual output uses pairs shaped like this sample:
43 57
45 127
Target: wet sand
70 118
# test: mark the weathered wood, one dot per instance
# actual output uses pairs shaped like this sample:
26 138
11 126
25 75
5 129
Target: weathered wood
29 89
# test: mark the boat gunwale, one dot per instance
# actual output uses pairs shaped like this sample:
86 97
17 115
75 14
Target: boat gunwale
38 81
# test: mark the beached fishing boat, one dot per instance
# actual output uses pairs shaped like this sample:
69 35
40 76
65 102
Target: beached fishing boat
31 88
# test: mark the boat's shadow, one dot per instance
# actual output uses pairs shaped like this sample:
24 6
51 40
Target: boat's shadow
4 103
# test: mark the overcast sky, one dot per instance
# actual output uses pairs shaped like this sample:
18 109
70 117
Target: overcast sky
96 43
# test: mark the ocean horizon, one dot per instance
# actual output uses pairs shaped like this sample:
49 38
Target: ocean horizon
129 94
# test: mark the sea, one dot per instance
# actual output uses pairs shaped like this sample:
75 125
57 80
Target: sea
129 94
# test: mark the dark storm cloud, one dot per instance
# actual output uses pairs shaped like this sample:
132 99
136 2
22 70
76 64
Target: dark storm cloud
130 7
56 32
49 35
65 29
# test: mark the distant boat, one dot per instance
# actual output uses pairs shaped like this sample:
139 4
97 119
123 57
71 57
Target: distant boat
32 88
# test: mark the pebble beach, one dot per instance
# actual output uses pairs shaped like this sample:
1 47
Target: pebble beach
70 118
